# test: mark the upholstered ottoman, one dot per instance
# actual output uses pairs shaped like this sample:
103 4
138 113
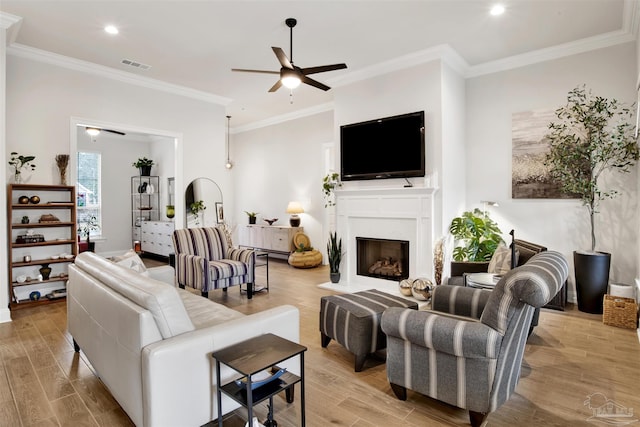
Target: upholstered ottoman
354 321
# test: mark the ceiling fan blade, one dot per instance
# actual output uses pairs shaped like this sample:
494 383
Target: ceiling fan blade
255 71
276 86
282 57
323 68
114 131
314 83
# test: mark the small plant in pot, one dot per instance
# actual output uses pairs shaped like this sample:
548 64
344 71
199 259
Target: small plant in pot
592 135
329 183
334 253
144 166
252 216
85 229
197 207
19 162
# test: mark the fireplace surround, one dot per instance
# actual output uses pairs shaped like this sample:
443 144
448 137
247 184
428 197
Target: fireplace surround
405 214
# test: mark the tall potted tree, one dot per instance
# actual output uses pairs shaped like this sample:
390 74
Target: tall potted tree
591 135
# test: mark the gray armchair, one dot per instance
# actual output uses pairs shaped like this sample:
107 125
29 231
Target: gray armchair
468 350
204 261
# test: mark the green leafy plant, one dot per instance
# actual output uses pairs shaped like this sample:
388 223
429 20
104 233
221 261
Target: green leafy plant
302 248
592 135
197 206
334 252
143 161
477 236
329 184
251 214
85 228
18 162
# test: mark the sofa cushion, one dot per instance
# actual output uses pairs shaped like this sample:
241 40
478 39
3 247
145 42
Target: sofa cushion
500 261
203 312
132 260
161 299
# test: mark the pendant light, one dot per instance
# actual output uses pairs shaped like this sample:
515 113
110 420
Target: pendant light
228 165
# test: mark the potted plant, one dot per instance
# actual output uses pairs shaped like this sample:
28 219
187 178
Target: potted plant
329 184
477 236
334 253
592 135
85 229
144 166
197 207
252 216
18 162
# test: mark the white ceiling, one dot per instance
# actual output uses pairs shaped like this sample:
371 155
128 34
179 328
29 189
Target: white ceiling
194 44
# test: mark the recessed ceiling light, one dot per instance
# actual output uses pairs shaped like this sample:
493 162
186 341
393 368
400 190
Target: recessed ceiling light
497 9
111 29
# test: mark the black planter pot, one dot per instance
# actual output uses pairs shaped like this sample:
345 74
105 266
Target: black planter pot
335 277
145 170
252 220
592 279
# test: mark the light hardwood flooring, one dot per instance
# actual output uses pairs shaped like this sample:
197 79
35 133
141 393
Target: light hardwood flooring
570 356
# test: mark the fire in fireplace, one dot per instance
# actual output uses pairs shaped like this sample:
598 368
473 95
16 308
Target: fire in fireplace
382 258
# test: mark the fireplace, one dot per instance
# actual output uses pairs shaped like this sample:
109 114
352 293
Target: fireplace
382 258
405 214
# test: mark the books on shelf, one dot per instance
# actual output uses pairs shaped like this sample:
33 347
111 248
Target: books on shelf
261 378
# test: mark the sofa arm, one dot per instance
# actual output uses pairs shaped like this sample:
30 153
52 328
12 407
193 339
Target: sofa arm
163 273
447 334
178 374
460 301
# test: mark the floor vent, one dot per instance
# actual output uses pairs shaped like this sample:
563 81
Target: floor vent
135 64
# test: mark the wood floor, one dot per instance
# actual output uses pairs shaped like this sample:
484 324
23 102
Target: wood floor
570 356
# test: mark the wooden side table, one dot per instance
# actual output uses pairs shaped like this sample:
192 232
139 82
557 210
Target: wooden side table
255 355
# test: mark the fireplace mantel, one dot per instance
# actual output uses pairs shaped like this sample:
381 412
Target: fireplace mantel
386 213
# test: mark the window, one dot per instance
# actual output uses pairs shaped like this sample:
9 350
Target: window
88 189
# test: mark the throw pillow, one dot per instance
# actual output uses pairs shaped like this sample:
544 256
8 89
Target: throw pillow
130 259
500 261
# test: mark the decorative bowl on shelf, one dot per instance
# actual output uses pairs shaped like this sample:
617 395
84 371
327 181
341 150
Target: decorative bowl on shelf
270 221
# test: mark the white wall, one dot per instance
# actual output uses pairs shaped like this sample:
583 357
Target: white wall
558 224
278 164
42 98
5 315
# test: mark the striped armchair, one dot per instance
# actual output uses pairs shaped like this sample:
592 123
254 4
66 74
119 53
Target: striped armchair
205 261
468 351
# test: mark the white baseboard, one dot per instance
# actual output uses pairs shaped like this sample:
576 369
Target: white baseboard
5 315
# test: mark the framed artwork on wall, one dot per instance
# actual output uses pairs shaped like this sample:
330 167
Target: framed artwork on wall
219 213
530 177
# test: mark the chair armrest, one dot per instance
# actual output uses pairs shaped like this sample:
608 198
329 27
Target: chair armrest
163 273
460 301
452 335
191 267
245 255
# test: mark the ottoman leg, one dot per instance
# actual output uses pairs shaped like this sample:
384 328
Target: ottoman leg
325 340
360 359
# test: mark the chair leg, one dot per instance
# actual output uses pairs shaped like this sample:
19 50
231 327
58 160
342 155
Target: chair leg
477 418
181 286
249 290
399 391
76 347
289 394
205 294
360 359
324 340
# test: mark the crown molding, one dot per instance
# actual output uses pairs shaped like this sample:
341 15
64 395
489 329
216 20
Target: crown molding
631 16
305 112
39 55
442 52
559 51
12 24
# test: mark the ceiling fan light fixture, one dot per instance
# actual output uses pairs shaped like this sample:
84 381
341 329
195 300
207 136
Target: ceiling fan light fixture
290 78
93 131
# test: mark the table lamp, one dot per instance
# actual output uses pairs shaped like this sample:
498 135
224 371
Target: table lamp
294 208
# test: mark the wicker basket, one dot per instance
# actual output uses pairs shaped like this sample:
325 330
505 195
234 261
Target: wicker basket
619 311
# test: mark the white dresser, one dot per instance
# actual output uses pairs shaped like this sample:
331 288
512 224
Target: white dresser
156 237
272 238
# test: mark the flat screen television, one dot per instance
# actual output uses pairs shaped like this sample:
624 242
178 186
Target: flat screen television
391 147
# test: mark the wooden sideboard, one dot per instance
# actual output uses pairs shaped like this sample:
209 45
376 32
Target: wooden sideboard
270 238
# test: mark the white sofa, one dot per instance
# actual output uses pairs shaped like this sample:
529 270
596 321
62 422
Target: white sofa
151 342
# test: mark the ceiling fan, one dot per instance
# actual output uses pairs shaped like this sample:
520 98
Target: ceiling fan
95 131
291 75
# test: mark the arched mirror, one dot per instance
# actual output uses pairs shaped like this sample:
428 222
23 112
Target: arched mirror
203 202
